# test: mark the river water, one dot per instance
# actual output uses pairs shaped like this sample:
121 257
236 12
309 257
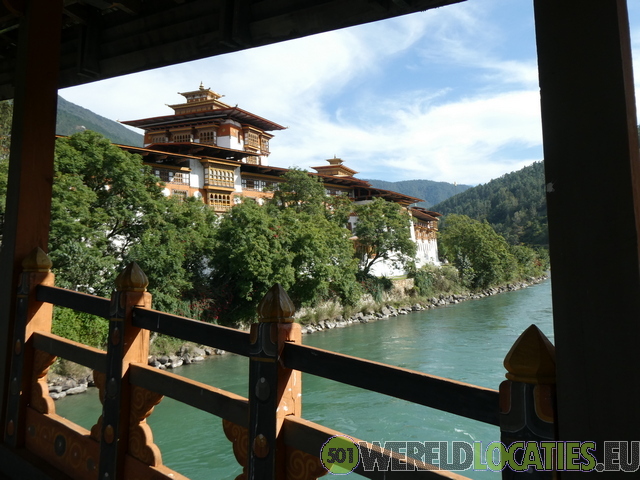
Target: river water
465 342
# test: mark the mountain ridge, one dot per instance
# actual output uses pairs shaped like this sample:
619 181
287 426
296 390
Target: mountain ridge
72 118
515 205
430 191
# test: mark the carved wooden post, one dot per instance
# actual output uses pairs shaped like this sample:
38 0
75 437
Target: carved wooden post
127 344
527 397
31 316
274 391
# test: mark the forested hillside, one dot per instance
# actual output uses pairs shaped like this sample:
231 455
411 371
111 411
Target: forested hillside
431 192
514 204
73 119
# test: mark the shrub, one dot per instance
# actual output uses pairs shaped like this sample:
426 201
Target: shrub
80 327
431 280
376 286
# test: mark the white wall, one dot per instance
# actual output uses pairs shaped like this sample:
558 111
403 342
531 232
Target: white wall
426 254
196 179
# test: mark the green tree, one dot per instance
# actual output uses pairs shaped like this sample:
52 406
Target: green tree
531 262
384 233
299 192
6 114
174 253
248 259
295 240
514 204
108 210
315 235
482 257
104 200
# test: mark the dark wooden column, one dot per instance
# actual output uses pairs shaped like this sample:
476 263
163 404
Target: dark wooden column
31 158
592 174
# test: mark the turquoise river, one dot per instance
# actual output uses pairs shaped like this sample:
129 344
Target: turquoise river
465 342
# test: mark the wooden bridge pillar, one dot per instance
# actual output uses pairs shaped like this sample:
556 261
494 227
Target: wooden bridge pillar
589 128
527 399
274 391
126 344
31 316
30 182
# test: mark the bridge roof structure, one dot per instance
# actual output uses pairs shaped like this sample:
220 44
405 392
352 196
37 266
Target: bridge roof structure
103 39
589 129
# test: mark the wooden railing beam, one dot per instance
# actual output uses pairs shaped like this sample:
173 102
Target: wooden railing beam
216 336
459 398
75 352
215 401
78 301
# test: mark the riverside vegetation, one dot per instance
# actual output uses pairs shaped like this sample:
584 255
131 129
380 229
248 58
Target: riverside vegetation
217 269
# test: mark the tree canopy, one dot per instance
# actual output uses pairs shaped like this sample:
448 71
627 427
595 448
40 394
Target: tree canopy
6 113
104 201
294 240
108 209
515 205
384 233
483 257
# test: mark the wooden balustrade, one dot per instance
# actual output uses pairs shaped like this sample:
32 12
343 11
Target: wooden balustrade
269 438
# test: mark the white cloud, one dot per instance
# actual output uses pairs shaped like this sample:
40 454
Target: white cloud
441 95
460 141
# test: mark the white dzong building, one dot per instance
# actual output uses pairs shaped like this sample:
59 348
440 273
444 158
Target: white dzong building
218 152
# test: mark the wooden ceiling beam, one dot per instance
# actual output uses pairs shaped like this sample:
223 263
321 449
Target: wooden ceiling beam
132 7
134 36
101 4
78 13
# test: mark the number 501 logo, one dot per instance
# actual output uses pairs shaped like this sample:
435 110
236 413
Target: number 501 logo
340 455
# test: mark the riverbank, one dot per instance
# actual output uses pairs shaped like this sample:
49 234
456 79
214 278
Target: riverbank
388 311
78 381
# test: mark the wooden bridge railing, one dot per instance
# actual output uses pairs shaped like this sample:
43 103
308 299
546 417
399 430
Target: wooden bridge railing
269 438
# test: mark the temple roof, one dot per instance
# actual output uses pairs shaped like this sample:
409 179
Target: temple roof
217 116
200 150
368 193
335 168
424 214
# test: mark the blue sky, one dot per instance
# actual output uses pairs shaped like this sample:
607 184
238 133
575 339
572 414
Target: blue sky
449 94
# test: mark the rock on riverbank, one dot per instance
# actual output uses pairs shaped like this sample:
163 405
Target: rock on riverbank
186 356
389 311
60 386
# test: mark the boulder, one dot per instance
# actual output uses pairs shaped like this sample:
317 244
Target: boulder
76 390
175 363
68 383
198 352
